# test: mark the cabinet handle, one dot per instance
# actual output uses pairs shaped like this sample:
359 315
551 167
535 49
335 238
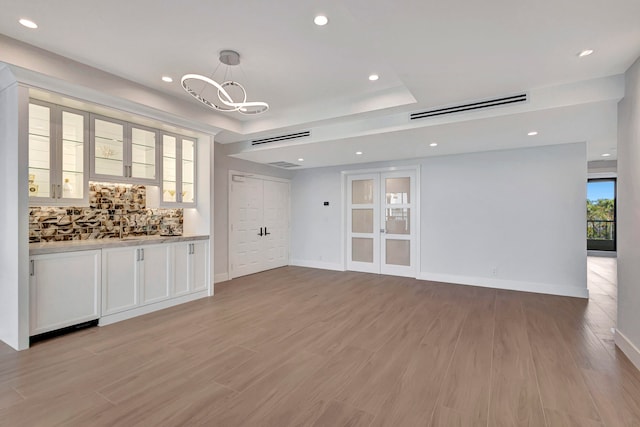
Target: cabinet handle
190 248
59 191
265 232
32 268
260 232
141 254
193 249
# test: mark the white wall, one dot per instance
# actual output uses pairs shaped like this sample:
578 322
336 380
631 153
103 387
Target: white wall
14 285
222 165
628 329
518 211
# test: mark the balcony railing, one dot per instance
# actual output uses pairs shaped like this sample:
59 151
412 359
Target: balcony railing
601 229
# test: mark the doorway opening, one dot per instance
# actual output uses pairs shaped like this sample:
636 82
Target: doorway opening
601 214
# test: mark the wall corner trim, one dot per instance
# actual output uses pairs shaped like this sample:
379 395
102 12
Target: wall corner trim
220 277
334 266
628 348
511 285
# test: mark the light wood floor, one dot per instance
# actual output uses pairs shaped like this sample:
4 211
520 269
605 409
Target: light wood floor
297 346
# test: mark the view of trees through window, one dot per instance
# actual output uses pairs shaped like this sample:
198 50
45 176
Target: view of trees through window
601 214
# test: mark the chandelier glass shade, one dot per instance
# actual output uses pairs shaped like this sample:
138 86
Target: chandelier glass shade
224 102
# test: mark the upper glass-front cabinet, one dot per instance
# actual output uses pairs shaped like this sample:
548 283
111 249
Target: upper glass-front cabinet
124 151
178 170
58 155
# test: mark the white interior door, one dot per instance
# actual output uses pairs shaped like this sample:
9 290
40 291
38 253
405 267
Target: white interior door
276 224
381 223
363 219
259 225
398 241
246 203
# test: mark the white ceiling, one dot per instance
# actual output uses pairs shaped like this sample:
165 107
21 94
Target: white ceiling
428 53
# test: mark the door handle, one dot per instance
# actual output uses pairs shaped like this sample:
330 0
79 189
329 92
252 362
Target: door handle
265 232
261 232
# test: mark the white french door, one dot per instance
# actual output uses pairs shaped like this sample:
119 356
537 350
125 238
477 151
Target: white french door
258 225
381 225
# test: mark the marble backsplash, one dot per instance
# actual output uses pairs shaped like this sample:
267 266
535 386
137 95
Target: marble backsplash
115 211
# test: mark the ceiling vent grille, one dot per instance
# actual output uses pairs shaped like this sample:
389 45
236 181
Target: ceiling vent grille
281 138
284 164
480 105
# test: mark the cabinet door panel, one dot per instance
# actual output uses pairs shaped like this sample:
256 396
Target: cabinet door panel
119 280
64 290
199 258
155 273
181 273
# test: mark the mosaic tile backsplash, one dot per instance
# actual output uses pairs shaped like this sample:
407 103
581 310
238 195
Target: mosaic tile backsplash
115 211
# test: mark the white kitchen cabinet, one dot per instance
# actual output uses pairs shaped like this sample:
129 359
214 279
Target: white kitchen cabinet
120 283
190 267
134 276
58 155
64 290
123 151
153 264
178 171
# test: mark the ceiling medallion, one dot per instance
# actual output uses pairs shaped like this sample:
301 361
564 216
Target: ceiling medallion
224 102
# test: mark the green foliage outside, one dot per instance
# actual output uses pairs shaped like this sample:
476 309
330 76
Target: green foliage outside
600 210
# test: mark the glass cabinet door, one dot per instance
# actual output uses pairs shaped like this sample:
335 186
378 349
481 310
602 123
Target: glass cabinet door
40 152
178 170
143 153
169 168
187 195
73 155
57 154
108 148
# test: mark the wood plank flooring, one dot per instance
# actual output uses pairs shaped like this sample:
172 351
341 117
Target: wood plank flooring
303 347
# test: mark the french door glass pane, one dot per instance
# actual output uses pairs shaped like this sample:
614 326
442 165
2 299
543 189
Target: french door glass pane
39 151
188 173
143 153
362 249
362 220
72 155
169 163
397 190
362 192
398 252
109 148
397 220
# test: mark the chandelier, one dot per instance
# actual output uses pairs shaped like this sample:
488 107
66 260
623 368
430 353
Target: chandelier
224 102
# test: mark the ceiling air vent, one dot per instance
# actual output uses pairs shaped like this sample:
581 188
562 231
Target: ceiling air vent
284 164
281 138
514 99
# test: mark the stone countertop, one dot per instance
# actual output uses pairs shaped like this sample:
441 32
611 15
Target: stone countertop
86 245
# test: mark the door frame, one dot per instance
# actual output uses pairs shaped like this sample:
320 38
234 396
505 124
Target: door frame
230 181
345 208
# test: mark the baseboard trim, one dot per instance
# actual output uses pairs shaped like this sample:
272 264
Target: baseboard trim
220 277
628 348
317 264
146 309
512 285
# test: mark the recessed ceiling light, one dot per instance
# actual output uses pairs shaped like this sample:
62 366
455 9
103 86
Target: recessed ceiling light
433 144
532 133
167 79
320 20
28 23
606 155
374 77
358 153
585 52
301 159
